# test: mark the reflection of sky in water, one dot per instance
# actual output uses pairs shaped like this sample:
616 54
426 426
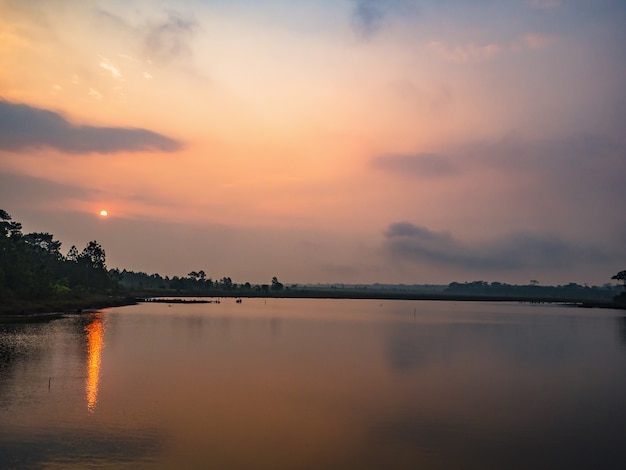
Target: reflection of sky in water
317 384
510 394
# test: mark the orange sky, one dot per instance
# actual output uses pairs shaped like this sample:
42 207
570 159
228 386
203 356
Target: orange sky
291 138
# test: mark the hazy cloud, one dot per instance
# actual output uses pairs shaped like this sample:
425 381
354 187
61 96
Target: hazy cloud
340 271
170 39
532 41
112 69
21 190
583 166
537 40
544 4
421 164
466 53
23 126
476 53
368 16
406 241
95 94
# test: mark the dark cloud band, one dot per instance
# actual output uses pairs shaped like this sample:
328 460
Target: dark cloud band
518 250
24 127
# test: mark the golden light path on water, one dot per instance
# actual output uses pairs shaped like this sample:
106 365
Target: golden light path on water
95 343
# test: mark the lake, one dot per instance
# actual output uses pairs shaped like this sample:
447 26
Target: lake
316 384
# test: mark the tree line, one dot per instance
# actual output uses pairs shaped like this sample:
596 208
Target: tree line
32 266
533 290
196 282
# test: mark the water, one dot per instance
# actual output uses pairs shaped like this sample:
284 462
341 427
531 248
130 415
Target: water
316 384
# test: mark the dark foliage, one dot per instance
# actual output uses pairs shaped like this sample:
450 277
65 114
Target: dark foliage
621 277
195 283
532 290
32 266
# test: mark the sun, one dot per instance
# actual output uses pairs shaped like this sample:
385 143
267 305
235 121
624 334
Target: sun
104 213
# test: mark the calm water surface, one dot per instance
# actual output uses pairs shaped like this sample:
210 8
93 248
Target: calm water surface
316 384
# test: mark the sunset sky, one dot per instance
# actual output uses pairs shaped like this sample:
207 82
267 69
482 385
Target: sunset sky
355 141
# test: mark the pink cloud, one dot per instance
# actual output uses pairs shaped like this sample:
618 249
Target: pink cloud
533 41
467 53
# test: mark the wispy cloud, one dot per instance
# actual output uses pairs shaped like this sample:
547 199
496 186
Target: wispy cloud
23 127
467 53
369 16
581 163
476 53
409 242
25 191
95 94
417 165
533 41
112 69
537 41
169 40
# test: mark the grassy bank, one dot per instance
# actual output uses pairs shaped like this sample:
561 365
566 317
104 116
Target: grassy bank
377 295
69 304
77 303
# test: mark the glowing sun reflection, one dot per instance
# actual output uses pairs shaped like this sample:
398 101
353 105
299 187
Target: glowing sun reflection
95 342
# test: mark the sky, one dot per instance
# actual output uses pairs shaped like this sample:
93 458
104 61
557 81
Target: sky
343 141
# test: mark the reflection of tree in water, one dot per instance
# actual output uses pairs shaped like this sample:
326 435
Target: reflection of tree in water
18 344
67 352
9 349
29 346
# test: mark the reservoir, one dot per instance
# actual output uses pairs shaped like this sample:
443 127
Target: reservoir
316 384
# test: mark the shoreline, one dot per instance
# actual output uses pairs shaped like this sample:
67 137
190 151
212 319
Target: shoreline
37 311
370 295
44 310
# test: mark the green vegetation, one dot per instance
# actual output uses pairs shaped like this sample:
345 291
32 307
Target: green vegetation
36 277
196 283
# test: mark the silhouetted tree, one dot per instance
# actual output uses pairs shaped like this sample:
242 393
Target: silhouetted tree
44 242
92 266
276 285
72 254
226 283
32 266
93 254
8 228
621 276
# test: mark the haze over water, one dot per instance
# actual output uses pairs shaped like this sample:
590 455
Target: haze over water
294 383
